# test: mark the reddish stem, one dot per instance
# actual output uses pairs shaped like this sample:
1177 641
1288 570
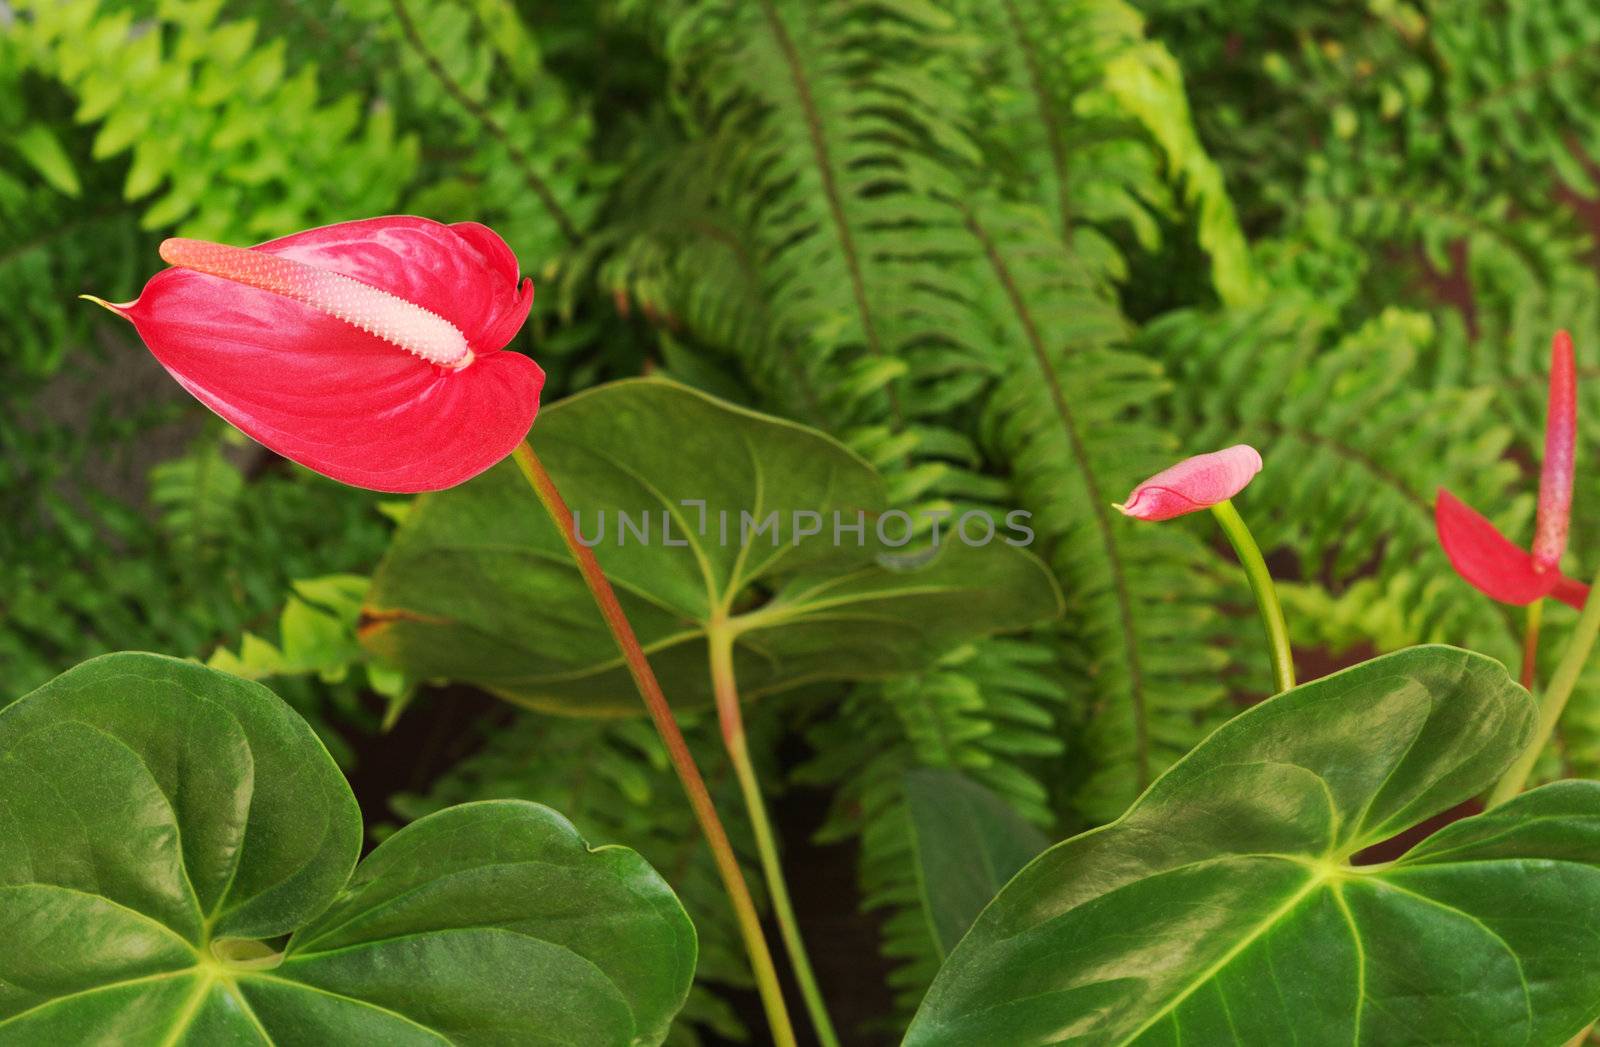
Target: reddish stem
655 702
1530 643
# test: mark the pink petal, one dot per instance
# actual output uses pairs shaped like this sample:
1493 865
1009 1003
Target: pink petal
1194 483
1491 564
1560 440
356 403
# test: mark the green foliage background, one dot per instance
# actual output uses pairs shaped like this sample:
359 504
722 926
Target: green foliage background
1017 253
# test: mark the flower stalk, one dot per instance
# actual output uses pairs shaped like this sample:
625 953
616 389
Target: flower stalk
720 639
1554 702
1271 611
688 771
1530 643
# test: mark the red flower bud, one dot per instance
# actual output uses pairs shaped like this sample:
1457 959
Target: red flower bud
1193 484
367 351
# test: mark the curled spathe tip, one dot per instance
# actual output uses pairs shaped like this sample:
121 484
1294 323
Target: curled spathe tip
1193 484
119 308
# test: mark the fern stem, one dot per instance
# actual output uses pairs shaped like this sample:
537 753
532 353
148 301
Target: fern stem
1530 643
822 156
1255 569
479 112
1049 117
666 724
720 640
1093 488
1555 698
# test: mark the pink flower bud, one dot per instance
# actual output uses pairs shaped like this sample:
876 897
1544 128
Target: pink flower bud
1560 439
1193 484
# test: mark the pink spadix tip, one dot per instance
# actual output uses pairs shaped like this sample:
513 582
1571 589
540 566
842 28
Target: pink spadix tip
403 324
1193 484
1560 443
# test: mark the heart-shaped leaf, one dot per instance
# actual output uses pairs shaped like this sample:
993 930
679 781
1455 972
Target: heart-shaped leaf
479 587
1223 908
176 850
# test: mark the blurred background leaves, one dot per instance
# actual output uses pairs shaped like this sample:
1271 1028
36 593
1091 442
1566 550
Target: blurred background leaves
1016 253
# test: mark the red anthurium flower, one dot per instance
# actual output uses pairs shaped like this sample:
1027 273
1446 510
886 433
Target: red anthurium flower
1486 558
1491 563
1193 484
368 351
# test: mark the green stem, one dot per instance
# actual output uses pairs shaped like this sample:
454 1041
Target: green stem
1530 643
720 639
655 702
1255 569
1555 698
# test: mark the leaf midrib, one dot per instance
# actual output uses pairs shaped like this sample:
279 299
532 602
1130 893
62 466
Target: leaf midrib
357 917
1265 926
1334 884
307 987
93 989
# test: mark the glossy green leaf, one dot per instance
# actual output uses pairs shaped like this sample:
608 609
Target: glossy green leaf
176 854
968 842
1223 908
479 587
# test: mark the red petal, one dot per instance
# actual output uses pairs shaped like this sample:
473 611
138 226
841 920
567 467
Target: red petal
1571 593
1486 558
1193 484
498 253
464 273
341 401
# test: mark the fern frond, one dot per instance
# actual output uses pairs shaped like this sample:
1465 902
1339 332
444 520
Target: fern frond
817 123
95 575
1068 422
1089 113
61 226
1516 85
220 134
1148 83
1044 118
428 32
907 300
198 498
1357 438
48 242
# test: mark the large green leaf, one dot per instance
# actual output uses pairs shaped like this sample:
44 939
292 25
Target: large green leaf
1223 907
176 853
478 586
